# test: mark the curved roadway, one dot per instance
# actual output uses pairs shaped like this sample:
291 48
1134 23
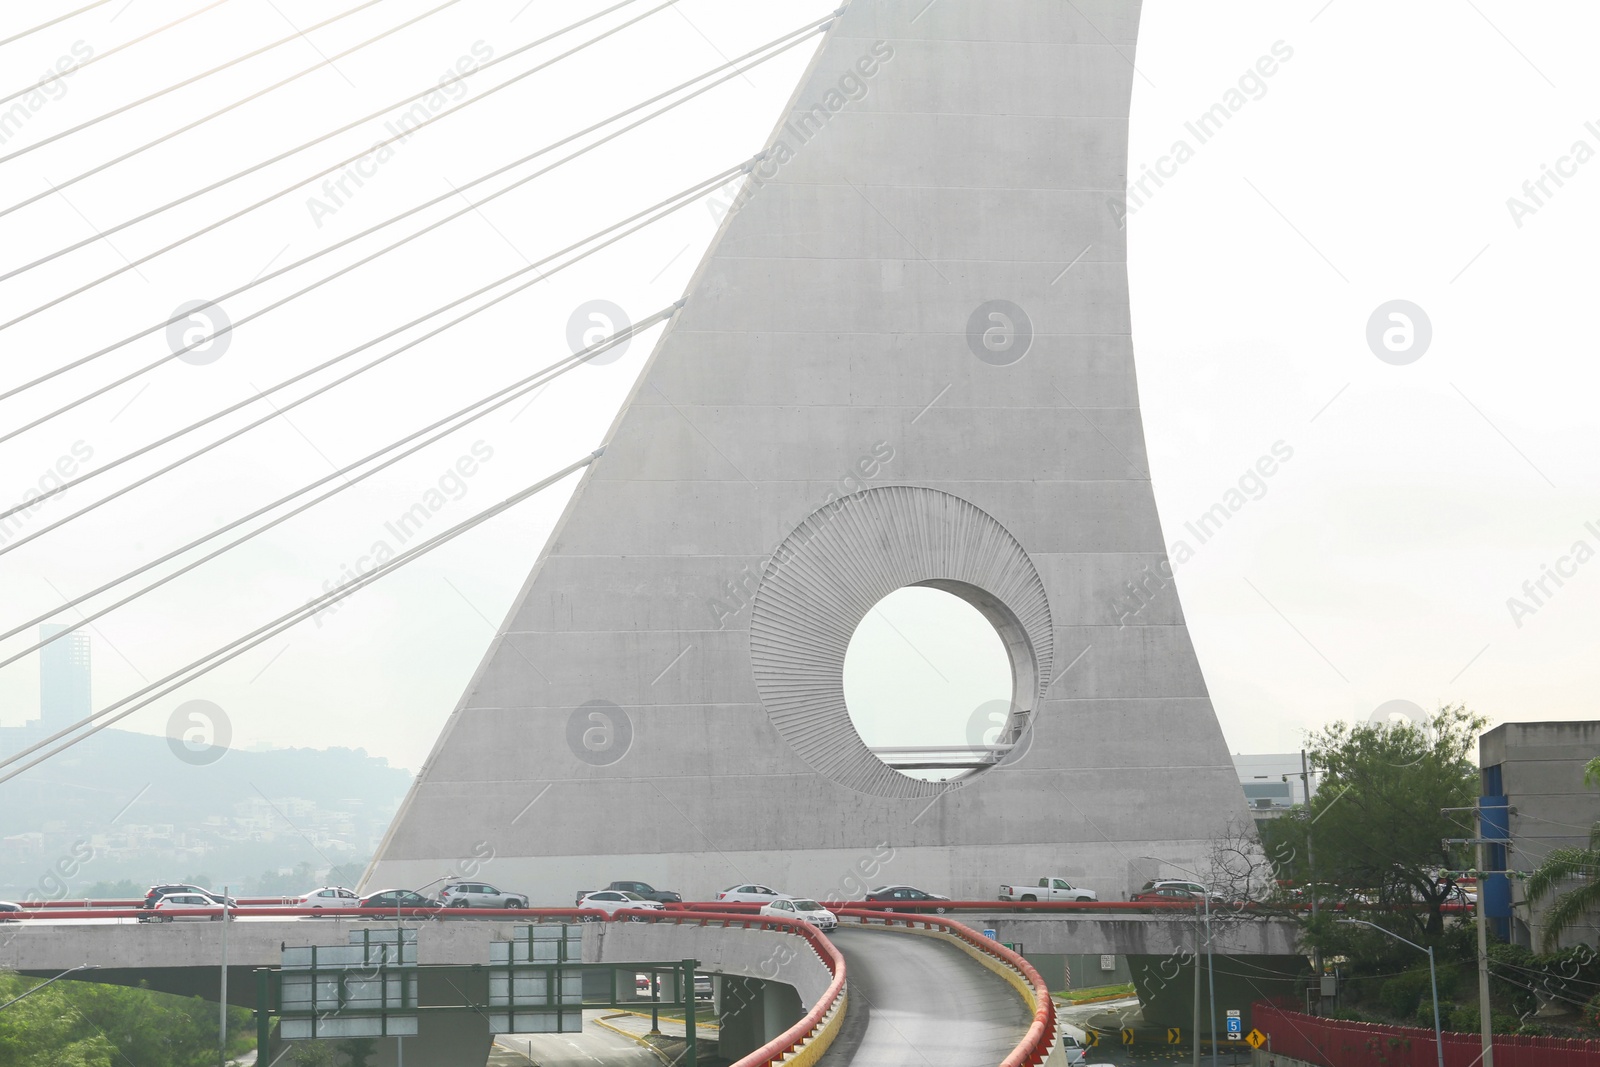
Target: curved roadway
922 1002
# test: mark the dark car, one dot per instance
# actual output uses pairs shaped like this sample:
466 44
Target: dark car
907 894
644 889
156 892
8 911
398 898
1168 894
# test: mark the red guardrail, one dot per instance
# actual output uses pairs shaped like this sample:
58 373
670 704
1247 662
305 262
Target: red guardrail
1348 1044
1037 1044
1110 906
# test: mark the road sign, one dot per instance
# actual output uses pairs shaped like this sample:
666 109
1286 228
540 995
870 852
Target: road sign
1256 1039
1127 1037
1235 1027
1174 1035
1091 1039
1233 1013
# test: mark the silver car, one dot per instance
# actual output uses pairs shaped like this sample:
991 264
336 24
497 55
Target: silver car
479 895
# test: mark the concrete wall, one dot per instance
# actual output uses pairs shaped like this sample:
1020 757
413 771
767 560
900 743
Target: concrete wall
980 157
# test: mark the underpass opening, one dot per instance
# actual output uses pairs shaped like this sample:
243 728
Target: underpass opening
931 677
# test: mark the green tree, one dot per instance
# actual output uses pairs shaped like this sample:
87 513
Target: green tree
1564 865
1374 830
83 1024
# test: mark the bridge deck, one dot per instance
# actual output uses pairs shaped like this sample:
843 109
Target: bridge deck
922 1002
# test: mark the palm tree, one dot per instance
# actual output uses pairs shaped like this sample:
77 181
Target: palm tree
1566 864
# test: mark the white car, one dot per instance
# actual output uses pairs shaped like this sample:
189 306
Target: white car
479 895
612 901
750 893
330 896
184 906
805 910
1074 1050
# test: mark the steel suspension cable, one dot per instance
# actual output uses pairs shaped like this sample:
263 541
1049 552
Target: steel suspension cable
633 224
108 53
235 61
239 646
236 104
777 47
102 234
54 21
342 479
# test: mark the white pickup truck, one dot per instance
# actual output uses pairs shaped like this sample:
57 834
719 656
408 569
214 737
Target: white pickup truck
1046 889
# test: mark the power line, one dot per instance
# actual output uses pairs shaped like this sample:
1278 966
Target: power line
54 21
658 211
466 415
776 48
108 53
103 234
283 622
297 35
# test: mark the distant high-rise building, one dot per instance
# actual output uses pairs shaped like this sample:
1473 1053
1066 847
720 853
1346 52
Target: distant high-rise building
64 696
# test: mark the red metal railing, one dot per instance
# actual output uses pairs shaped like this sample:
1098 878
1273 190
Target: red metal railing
1037 1044
987 906
1335 1043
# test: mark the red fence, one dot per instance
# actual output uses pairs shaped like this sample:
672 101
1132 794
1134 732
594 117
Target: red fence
1335 1043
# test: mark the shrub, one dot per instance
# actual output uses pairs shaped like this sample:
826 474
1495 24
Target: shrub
1401 995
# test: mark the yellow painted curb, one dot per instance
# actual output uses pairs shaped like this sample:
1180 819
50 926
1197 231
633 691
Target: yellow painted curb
635 1038
645 1015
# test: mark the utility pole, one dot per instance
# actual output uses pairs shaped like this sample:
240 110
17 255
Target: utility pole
1485 1020
1311 868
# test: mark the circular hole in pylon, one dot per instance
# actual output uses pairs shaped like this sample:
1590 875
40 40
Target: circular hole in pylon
928 684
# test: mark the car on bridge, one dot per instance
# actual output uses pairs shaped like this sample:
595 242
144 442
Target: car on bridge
184 906
479 895
1195 889
749 893
397 898
329 896
1050 888
9 911
157 892
905 894
804 910
612 901
643 889
1171 894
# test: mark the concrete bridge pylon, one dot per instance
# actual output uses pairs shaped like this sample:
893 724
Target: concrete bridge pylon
905 360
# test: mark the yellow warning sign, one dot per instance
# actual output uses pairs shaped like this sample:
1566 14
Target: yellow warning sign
1091 1039
1174 1035
1127 1037
1256 1038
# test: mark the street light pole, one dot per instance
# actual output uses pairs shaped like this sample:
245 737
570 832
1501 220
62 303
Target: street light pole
222 1014
1211 977
1433 977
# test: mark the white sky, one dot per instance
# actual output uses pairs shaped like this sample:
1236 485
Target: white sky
1376 167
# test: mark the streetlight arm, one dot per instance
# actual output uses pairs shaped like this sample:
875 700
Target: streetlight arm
1383 930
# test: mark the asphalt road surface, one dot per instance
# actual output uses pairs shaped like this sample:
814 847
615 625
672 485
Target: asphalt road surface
921 1002
595 1047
